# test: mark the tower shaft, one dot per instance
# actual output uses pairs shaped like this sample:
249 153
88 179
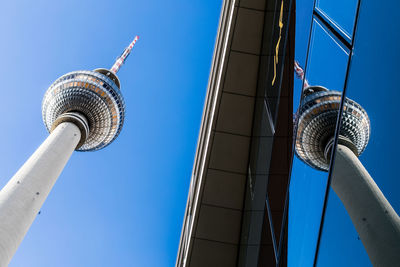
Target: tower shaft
83 110
23 196
375 220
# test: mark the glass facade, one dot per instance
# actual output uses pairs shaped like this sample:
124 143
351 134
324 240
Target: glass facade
351 48
373 45
291 215
340 14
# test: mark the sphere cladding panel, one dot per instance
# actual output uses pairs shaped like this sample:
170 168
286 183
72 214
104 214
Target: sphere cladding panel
95 96
316 124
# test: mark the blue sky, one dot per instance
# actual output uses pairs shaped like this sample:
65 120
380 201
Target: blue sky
123 205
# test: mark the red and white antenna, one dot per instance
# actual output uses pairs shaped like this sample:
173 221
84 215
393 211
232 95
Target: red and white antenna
121 60
300 73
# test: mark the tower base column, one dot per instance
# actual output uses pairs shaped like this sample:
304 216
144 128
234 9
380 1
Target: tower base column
23 196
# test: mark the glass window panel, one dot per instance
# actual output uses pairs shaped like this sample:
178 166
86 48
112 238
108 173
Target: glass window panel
327 61
327 65
276 62
306 197
303 26
373 83
340 244
341 14
256 184
304 9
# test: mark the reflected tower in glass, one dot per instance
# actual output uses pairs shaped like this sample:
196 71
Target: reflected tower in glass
82 110
375 220
316 125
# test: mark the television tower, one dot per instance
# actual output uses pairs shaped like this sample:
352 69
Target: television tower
82 110
375 220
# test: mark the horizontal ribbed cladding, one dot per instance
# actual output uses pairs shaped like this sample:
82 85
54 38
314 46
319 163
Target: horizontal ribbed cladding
96 97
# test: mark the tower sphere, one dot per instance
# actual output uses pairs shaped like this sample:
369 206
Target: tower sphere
93 95
316 122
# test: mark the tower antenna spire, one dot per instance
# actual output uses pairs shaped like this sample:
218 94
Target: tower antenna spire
121 60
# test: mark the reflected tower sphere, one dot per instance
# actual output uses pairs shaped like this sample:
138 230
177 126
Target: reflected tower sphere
316 123
376 222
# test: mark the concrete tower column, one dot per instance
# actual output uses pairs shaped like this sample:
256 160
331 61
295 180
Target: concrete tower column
375 220
83 110
23 196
